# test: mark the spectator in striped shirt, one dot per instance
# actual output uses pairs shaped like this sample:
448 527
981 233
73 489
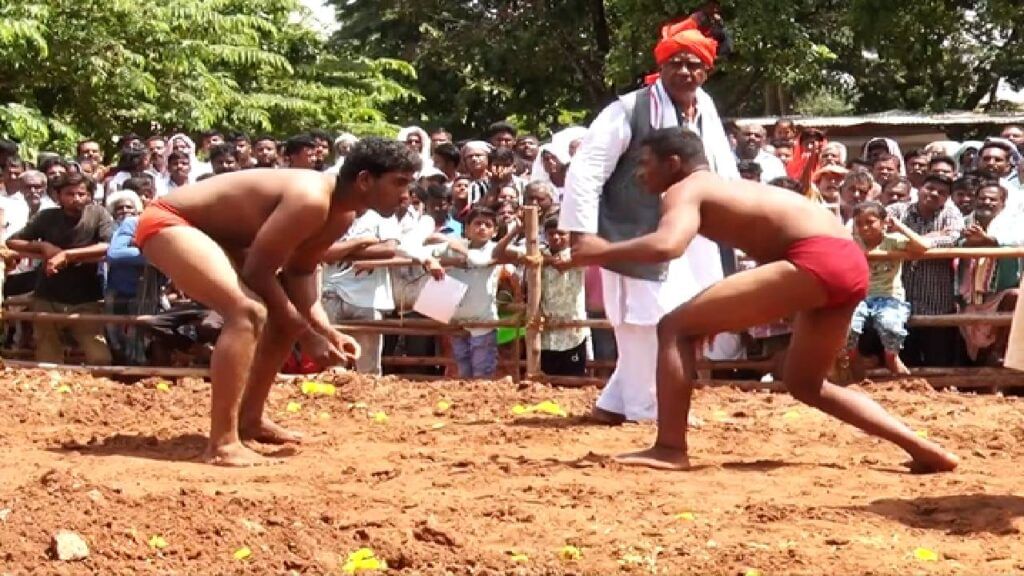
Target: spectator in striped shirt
930 283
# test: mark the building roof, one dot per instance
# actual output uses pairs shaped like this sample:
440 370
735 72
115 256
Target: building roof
894 118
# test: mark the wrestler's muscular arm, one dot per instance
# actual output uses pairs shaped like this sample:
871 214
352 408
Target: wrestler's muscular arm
677 227
300 281
273 247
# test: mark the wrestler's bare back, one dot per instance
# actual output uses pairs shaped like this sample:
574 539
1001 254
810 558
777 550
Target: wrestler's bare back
763 221
231 208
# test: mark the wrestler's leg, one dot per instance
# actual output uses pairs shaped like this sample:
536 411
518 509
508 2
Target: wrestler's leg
761 295
817 336
200 268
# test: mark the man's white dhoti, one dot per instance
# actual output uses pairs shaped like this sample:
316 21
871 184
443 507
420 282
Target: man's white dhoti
635 306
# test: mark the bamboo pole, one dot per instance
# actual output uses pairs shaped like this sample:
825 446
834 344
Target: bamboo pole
139 371
533 286
947 253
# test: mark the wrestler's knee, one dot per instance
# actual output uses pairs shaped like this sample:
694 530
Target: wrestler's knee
248 314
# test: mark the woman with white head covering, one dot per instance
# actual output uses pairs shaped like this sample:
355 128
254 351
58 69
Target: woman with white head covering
943 148
419 141
967 156
890 145
182 143
342 144
552 161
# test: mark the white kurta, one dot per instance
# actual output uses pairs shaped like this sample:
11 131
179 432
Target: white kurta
635 306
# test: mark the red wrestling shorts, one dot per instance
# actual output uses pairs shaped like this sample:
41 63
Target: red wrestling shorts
157 216
838 264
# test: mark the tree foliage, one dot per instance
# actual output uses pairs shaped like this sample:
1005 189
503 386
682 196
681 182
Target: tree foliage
74 69
546 62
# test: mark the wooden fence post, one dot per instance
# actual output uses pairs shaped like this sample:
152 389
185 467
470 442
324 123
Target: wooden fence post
533 287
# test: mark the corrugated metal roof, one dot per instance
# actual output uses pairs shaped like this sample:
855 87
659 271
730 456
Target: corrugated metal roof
893 118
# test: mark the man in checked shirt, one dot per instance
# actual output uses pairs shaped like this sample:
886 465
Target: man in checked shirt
930 283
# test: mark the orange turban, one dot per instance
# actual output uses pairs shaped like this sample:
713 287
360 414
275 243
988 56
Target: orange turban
685 36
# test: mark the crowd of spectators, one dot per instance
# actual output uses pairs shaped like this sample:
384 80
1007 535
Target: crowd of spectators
68 225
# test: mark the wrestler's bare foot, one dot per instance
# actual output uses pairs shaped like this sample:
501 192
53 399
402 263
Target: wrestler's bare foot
895 365
934 460
268 432
657 457
235 456
607 416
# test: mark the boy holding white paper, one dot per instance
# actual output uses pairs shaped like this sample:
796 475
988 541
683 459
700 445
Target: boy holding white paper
476 350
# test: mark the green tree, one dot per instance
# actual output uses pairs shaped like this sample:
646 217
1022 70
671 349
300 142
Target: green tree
100 68
544 63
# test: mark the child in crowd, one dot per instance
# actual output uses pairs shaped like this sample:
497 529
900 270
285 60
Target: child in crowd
563 351
476 350
886 305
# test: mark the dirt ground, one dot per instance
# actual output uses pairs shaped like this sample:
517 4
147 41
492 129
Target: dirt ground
477 489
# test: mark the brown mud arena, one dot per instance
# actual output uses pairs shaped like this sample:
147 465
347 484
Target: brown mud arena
446 477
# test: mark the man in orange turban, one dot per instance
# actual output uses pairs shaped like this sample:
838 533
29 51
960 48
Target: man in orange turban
602 197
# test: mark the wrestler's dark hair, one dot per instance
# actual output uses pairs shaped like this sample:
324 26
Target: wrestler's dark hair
941 180
943 159
993 183
870 207
74 179
378 156
679 142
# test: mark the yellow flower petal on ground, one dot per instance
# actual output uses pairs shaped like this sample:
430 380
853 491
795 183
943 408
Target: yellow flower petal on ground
363 560
688 516
752 572
442 406
163 386
791 415
550 407
157 542
519 410
64 389
437 425
520 558
324 415
379 417
570 553
293 407
312 388
242 553
921 433
926 555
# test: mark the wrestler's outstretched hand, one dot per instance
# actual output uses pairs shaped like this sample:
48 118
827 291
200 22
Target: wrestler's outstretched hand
322 350
587 249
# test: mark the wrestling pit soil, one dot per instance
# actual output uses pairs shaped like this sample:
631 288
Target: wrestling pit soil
477 489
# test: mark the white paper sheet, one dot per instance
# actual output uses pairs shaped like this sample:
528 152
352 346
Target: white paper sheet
440 298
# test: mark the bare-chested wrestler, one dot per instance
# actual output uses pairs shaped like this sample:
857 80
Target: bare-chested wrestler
247 245
810 269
